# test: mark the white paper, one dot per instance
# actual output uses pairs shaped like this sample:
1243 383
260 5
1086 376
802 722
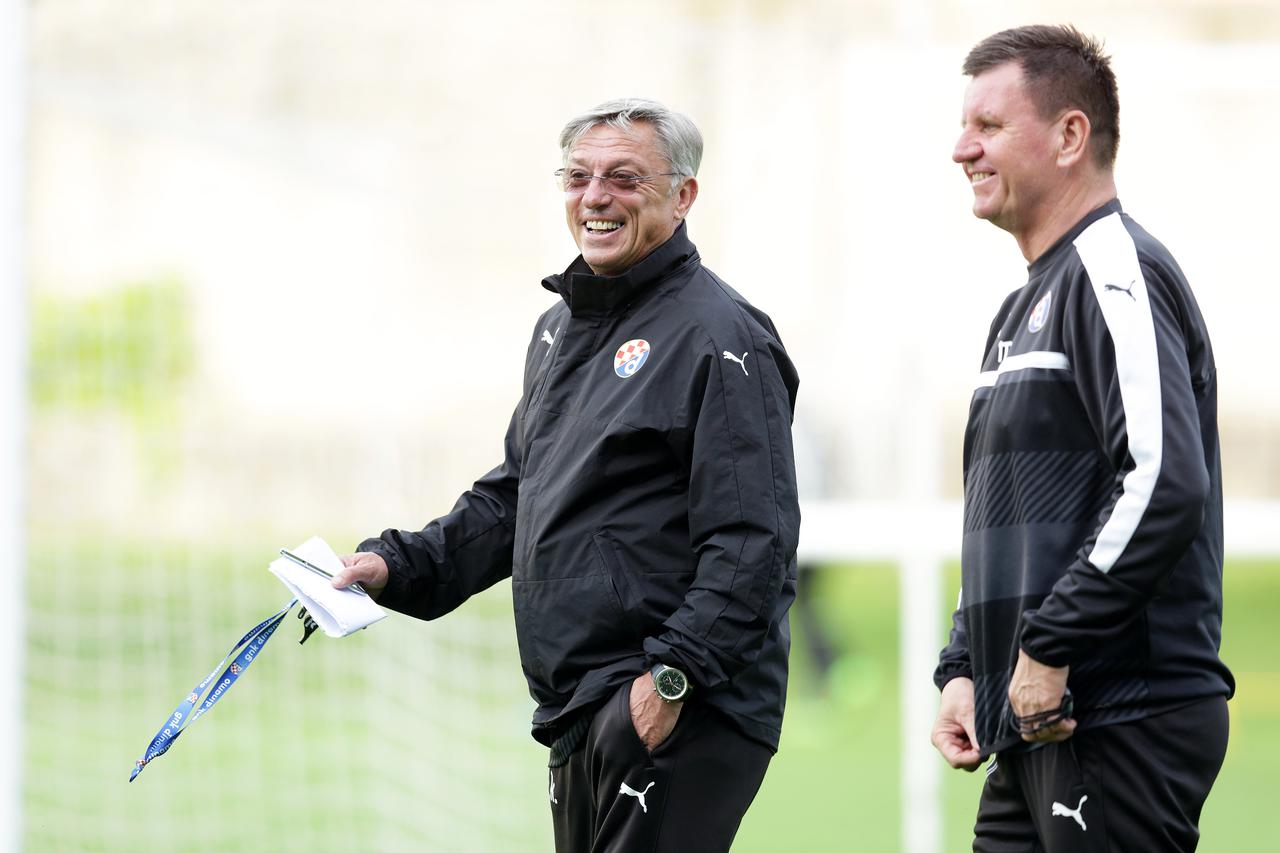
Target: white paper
338 612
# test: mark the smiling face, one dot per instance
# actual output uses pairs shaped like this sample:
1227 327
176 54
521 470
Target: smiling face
1008 152
615 231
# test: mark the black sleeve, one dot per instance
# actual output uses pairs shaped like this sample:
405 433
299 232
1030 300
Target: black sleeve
744 516
435 569
953 661
1128 354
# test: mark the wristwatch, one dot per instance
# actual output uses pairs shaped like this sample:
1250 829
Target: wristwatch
672 684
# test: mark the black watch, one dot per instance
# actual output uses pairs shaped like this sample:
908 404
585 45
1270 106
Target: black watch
672 684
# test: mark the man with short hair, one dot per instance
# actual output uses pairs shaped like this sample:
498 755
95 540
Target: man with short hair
645 511
1084 652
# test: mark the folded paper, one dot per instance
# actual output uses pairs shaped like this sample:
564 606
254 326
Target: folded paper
338 612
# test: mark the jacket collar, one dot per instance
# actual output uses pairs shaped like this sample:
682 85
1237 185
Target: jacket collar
1049 256
589 294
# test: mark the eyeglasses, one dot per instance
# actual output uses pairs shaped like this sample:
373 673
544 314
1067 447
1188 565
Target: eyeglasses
576 181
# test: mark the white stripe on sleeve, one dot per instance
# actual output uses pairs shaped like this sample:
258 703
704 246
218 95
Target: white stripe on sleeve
1111 261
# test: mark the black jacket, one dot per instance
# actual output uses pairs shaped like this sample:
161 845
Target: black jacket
646 507
1093 488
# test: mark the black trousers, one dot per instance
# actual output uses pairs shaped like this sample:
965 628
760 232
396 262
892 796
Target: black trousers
689 794
1127 788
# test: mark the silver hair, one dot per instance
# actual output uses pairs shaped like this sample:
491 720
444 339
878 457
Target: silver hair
678 137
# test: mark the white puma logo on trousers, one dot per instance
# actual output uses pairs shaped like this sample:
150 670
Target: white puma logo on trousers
639 795
741 361
1059 810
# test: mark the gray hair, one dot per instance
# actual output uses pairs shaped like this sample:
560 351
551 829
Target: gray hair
678 137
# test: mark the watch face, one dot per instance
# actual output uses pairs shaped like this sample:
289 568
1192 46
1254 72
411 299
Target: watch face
671 683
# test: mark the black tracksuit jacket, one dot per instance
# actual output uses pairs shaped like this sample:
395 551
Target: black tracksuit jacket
646 506
1093 488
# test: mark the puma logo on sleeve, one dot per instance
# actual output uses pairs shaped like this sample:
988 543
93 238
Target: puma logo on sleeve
1127 291
742 362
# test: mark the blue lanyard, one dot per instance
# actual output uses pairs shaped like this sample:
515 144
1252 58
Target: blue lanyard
183 718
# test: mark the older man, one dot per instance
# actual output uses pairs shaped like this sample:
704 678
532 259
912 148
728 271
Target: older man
645 510
1084 652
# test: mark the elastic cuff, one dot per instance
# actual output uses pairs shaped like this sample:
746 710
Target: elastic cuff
396 593
943 677
1045 657
1040 646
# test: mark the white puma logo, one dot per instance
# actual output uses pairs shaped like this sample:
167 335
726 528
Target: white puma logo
1059 810
639 795
551 792
547 338
741 361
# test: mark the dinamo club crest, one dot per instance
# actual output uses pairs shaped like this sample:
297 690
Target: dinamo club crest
630 358
1040 313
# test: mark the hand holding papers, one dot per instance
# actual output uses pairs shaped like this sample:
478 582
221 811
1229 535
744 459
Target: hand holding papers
307 571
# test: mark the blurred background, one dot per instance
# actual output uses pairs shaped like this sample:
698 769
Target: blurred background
277 266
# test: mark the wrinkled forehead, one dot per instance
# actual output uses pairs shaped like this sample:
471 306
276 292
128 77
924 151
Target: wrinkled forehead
615 147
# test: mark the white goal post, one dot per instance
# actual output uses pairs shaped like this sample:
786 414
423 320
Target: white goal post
13 398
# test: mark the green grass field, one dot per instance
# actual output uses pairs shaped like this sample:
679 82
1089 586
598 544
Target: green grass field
835 783
413 735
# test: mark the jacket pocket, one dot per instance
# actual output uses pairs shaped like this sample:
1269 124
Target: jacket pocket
629 597
566 627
